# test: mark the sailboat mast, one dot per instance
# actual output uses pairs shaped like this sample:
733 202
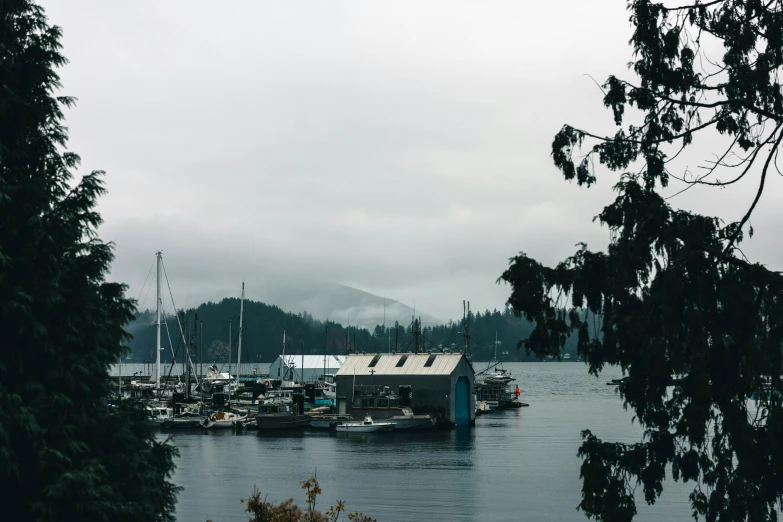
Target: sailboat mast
282 364
157 346
239 349
186 361
229 349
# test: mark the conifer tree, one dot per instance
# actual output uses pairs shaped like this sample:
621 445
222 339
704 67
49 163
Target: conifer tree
64 455
696 327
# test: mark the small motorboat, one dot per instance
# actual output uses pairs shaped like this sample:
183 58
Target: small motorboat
223 419
366 426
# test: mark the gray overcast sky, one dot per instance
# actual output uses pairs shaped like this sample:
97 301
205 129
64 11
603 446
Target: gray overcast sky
402 148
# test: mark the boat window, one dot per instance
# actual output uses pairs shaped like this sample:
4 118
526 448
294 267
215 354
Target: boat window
374 361
383 403
430 360
402 361
367 403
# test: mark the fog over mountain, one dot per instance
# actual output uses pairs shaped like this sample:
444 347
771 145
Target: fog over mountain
323 300
346 305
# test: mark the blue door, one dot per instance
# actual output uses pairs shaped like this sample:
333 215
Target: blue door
462 402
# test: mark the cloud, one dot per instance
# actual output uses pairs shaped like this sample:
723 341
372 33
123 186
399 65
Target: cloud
402 148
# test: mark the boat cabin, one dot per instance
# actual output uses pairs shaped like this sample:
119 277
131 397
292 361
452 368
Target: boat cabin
274 408
158 413
380 402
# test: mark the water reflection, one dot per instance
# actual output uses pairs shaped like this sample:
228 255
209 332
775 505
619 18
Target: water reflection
514 465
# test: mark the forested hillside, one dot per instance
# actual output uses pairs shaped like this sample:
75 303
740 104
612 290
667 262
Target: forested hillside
263 327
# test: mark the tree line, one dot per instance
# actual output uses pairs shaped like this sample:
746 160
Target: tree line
211 328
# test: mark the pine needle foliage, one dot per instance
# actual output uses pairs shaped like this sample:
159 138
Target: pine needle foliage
64 455
695 326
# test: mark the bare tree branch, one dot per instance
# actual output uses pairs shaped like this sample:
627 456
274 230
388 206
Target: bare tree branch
758 194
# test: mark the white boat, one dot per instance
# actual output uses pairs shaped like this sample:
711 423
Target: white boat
499 376
328 386
159 414
223 420
216 381
366 426
482 407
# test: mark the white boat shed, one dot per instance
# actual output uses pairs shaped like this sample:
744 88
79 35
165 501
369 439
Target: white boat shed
441 384
305 368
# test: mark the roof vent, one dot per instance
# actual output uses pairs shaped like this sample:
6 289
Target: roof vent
430 360
402 361
374 361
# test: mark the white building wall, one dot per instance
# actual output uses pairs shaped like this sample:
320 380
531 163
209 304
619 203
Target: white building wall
313 367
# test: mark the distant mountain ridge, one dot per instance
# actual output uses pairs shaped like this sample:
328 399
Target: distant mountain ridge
344 304
264 324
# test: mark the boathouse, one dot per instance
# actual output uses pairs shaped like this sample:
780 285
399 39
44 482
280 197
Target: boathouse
305 368
439 384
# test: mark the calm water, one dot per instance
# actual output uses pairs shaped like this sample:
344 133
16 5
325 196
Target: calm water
514 465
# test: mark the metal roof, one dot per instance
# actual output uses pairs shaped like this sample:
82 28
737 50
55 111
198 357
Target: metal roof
442 364
312 361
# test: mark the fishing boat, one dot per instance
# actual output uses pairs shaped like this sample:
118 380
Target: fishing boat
280 416
223 420
327 385
321 396
366 426
280 395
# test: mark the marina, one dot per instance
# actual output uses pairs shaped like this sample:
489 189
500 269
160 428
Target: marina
516 464
328 182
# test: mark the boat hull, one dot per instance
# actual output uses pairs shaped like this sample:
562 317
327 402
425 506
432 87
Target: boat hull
361 428
218 425
282 422
325 422
417 422
182 424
